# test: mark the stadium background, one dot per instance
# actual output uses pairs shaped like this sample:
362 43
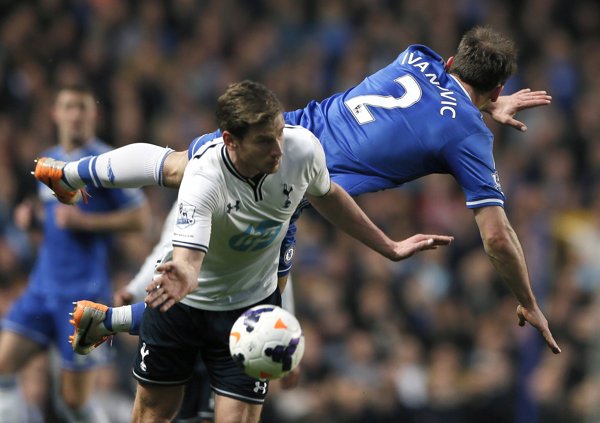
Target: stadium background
431 339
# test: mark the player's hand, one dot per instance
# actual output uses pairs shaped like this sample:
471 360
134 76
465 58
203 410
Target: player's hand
291 380
175 281
506 107
536 318
69 217
408 247
122 297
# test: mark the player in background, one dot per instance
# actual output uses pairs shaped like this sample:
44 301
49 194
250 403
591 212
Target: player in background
72 262
417 116
234 207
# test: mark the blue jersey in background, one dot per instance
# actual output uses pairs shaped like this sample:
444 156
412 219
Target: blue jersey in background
74 264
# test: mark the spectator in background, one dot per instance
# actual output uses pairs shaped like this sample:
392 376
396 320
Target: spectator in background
72 261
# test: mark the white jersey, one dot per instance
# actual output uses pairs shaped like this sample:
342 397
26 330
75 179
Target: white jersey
240 223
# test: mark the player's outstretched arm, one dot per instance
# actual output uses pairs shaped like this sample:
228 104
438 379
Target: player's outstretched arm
504 250
342 211
506 107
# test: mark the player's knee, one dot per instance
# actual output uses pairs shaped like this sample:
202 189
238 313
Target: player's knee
153 405
75 393
15 352
151 411
73 400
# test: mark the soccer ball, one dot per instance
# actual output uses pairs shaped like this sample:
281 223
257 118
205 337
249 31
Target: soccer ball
267 342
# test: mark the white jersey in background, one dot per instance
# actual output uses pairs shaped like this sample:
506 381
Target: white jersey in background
240 222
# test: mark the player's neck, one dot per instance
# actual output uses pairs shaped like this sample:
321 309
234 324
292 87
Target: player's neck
477 99
71 144
247 171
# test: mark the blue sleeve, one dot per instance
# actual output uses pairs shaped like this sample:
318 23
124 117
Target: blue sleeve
471 162
288 245
200 141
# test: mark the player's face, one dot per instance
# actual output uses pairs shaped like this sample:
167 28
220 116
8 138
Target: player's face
260 151
75 117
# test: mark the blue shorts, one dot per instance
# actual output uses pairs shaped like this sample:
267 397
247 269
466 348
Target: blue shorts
45 319
170 342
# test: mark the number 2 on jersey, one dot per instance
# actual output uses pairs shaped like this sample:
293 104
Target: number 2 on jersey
360 111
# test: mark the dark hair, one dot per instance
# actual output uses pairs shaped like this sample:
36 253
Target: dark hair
485 59
245 104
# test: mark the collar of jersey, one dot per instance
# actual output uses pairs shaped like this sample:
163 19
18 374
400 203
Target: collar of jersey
460 85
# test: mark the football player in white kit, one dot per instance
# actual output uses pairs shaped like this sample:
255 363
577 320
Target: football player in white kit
235 201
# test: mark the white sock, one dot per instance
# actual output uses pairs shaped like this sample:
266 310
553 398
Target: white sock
13 408
131 166
125 318
121 318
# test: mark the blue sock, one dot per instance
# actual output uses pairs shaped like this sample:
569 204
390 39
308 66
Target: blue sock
137 314
88 173
108 321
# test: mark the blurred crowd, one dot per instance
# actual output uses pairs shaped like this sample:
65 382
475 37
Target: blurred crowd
432 339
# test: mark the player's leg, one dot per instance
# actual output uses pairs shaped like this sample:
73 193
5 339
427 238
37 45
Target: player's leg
238 397
229 410
76 387
26 330
173 169
95 322
74 402
15 351
167 351
198 405
132 166
155 403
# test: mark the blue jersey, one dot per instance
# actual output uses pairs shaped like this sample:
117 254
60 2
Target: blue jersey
408 120
74 264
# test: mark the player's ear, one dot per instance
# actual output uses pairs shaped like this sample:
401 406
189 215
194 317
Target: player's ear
496 93
449 63
229 140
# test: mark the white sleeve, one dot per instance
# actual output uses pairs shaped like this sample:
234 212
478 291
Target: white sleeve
198 199
146 273
320 182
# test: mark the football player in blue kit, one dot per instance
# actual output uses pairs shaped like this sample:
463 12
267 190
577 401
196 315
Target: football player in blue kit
417 116
72 262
